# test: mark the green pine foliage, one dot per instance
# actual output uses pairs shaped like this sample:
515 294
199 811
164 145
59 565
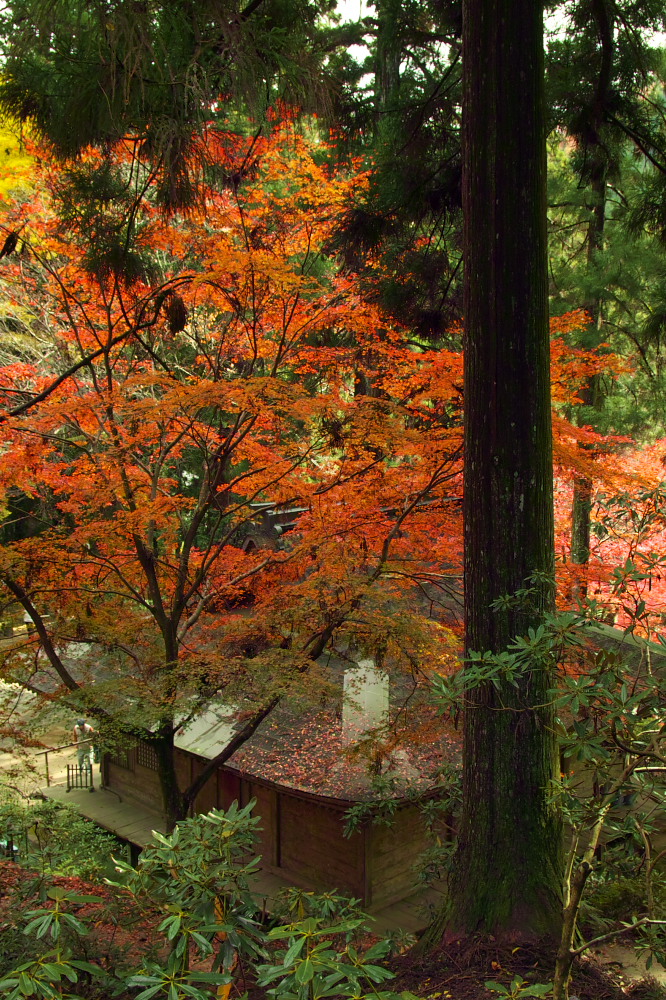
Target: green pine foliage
625 276
86 73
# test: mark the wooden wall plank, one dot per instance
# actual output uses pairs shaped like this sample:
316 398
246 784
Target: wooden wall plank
140 786
392 854
313 848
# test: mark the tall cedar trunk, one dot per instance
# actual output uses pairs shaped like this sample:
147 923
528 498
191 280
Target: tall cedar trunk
387 58
581 508
597 153
507 874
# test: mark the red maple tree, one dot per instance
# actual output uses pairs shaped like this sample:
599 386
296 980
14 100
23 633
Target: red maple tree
221 366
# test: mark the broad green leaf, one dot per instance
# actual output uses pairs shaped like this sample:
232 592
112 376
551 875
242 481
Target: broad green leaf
57 892
146 994
538 990
74 923
293 951
304 972
26 985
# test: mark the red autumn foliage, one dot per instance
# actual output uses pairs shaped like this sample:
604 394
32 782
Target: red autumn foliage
242 366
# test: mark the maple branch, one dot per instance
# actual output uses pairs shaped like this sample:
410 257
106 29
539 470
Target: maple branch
229 750
27 686
45 393
156 296
165 450
207 496
99 560
336 300
133 328
86 449
281 351
144 553
321 638
22 597
216 545
407 510
340 481
154 355
317 642
206 601
418 578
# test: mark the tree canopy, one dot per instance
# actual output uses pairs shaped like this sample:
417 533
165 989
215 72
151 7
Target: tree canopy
217 310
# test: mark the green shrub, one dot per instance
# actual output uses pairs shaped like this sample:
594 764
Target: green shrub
618 898
613 898
192 890
54 839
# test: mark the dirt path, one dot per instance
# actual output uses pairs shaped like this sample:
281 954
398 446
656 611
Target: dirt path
623 961
25 772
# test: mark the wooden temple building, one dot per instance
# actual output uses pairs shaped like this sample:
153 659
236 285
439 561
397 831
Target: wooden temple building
304 787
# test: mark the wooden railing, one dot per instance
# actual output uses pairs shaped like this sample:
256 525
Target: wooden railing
45 755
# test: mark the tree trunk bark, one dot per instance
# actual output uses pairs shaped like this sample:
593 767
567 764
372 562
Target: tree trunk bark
387 57
508 870
581 507
175 807
603 15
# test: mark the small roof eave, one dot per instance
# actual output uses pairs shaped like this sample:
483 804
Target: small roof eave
208 734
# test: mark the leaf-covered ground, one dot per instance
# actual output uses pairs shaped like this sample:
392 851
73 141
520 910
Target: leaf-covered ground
459 971
118 936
